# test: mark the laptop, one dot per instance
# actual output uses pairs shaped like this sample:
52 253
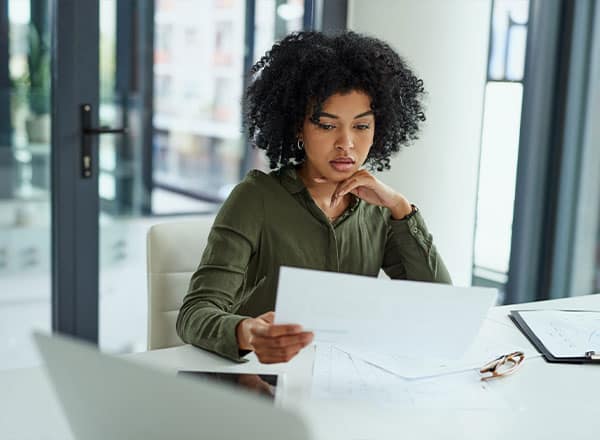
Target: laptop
106 397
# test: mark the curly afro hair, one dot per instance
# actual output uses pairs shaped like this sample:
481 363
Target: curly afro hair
301 71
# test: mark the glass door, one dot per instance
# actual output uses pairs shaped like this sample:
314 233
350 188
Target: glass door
77 198
25 193
49 172
173 72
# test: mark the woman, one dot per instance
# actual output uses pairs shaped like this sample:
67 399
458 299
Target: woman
321 107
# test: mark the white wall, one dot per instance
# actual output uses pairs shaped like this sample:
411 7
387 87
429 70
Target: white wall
446 43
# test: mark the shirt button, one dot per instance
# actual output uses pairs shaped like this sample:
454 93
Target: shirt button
415 230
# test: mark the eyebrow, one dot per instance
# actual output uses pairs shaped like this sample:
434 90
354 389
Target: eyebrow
329 115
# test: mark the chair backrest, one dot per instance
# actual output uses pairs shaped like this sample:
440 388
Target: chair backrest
173 252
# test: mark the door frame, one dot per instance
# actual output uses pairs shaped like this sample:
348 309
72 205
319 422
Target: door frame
74 199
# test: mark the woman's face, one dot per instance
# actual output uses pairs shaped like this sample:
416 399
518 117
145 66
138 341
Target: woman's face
338 141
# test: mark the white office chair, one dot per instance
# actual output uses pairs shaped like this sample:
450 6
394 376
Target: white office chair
173 252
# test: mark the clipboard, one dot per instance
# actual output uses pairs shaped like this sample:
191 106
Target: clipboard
519 321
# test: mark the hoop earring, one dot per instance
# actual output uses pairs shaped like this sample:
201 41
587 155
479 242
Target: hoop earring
300 144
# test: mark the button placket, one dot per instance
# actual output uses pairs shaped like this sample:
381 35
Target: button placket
334 255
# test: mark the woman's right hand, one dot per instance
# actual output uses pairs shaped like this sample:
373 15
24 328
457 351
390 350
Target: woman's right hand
272 343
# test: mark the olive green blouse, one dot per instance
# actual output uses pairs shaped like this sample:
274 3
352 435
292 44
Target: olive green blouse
269 221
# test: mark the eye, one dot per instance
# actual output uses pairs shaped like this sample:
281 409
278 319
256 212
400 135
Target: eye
363 126
325 126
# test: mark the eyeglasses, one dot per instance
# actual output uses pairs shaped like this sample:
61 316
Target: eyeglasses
502 365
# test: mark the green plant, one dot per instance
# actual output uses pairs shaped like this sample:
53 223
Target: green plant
38 61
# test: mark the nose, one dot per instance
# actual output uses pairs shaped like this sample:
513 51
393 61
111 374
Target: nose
344 142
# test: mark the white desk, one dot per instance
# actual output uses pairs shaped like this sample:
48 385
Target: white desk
547 401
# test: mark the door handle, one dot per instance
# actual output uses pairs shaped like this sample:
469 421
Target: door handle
86 142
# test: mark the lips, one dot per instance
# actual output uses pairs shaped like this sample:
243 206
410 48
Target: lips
342 164
343 160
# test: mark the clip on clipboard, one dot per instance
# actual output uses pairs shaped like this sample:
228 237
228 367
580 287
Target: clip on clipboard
567 336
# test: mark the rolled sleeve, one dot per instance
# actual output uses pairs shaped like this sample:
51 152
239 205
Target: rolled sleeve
410 253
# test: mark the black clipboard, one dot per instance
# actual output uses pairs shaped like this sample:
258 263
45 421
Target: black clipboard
589 357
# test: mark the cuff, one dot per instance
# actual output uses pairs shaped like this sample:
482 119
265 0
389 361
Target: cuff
228 344
413 225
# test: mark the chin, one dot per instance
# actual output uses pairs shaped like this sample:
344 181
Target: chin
341 174
338 177
333 175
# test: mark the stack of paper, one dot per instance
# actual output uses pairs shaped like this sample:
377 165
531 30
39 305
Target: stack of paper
411 329
338 375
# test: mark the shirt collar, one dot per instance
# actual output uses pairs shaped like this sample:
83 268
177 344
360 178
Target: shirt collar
293 184
290 180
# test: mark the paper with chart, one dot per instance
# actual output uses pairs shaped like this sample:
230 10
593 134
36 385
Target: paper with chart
337 375
565 333
404 318
493 340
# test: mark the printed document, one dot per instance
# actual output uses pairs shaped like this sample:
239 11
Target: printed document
340 376
403 318
490 343
565 333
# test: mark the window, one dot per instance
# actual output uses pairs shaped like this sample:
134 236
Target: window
500 142
199 149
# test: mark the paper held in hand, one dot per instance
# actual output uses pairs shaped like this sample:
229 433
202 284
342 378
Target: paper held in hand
407 318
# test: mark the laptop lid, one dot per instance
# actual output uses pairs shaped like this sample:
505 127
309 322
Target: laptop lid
108 397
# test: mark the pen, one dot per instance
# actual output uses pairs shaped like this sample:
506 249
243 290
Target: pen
592 355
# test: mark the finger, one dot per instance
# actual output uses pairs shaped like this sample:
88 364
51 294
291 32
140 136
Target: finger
351 184
357 192
283 341
270 360
338 194
334 197
284 353
334 201
279 354
274 330
364 181
268 317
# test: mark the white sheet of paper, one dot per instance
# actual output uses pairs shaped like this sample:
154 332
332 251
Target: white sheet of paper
337 375
489 344
406 318
565 333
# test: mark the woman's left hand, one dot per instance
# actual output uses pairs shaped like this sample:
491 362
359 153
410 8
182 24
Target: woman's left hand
370 189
